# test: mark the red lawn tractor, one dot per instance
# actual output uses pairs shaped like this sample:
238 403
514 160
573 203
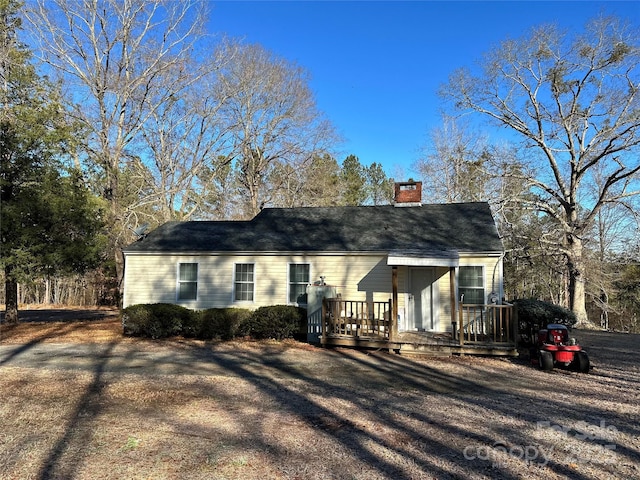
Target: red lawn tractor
555 348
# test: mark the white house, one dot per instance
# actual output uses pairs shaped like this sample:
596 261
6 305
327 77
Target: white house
426 257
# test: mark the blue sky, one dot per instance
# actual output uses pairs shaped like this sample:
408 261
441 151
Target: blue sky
376 66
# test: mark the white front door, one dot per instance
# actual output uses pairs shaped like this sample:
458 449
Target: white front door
421 300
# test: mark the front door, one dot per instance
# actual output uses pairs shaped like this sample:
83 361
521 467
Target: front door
421 300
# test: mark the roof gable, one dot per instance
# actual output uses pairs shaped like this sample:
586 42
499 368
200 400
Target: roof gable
459 227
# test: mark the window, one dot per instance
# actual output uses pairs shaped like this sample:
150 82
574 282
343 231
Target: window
187 281
243 283
298 281
471 285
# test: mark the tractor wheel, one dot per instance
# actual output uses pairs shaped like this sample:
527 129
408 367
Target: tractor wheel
534 356
545 360
581 362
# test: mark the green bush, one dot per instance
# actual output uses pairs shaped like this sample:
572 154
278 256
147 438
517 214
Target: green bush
190 325
160 320
135 320
221 323
157 320
277 322
536 314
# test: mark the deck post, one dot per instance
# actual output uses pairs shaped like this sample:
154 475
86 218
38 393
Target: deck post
325 319
393 321
461 325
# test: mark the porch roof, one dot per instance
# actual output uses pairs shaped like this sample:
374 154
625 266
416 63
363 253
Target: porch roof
443 258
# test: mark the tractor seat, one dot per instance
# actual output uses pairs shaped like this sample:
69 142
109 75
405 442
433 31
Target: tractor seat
557 334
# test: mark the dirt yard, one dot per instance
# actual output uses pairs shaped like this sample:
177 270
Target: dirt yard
79 401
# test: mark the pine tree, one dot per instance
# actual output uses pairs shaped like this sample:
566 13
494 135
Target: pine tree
49 221
354 181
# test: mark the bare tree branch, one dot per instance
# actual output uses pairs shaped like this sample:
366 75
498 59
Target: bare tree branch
575 101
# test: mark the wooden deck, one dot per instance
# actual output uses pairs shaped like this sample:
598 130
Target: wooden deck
479 330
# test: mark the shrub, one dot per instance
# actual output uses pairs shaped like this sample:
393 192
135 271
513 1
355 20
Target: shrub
135 320
190 324
157 320
160 320
222 323
277 322
536 314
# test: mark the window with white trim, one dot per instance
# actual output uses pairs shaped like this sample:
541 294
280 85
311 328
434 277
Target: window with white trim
243 283
187 281
471 285
298 281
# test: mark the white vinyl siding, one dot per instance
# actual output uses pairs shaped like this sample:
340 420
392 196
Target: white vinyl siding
151 278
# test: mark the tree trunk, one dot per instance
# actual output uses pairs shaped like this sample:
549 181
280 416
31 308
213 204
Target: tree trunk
47 290
119 261
112 196
577 292
11 296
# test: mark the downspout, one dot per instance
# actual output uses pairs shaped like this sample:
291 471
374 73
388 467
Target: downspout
493 278
452 298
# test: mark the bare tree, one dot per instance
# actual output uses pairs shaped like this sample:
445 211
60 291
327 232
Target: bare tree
123 64
184 141
573 101
454 165
616 226
271 111
315 184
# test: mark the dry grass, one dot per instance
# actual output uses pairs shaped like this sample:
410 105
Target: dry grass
179 409
97 331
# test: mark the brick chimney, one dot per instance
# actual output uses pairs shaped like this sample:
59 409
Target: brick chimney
408 194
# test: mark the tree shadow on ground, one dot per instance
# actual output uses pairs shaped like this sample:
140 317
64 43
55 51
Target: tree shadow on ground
381 415
77 431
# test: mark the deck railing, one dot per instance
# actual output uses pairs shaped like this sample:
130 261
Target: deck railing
487 323
477 324
356 318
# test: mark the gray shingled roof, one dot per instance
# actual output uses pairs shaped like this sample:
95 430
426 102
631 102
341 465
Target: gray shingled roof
458 227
